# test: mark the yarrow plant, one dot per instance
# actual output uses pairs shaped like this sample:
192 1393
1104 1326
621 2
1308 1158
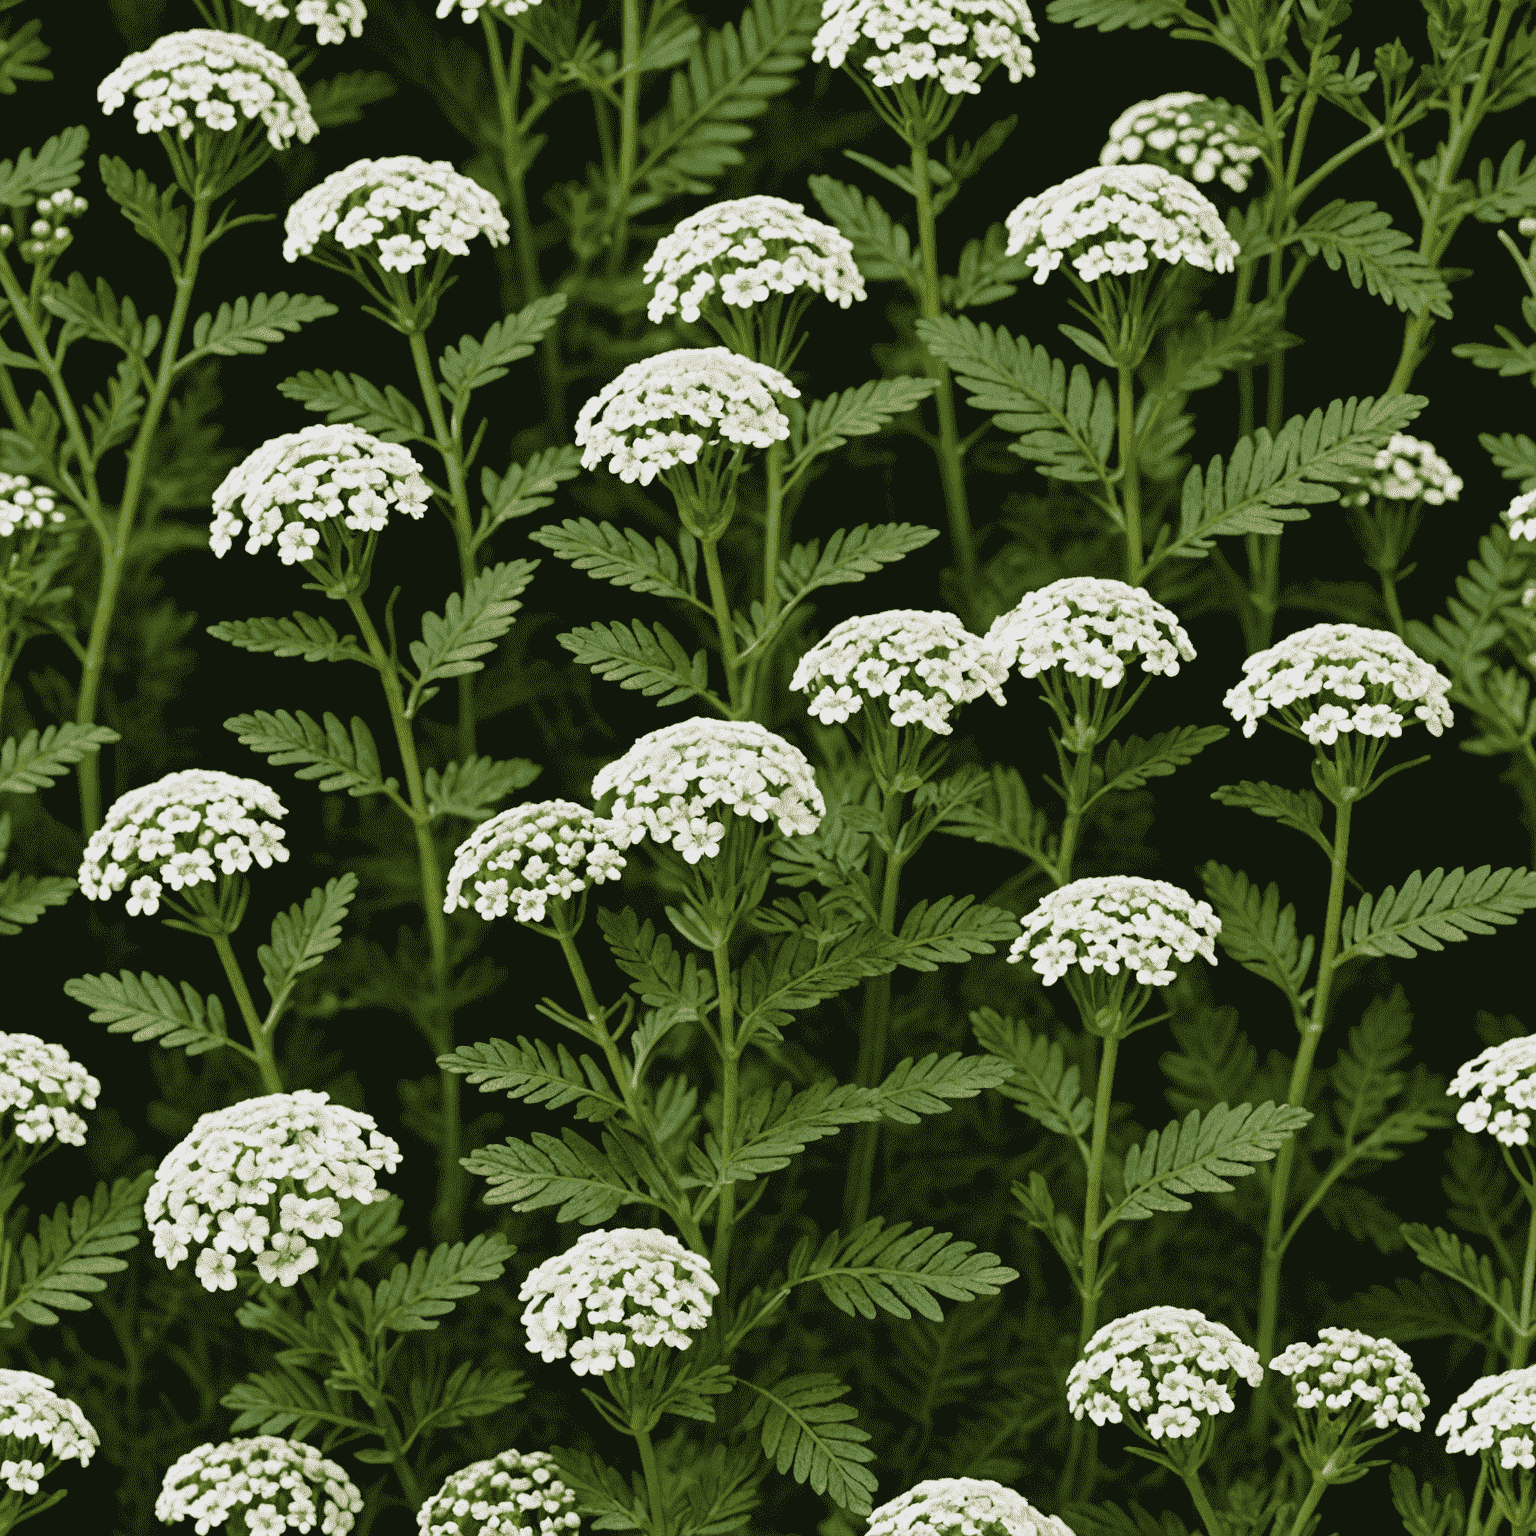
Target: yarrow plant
632 1286
269 1483
1191 135
239 1170
960 1506
38 1081
38 1431
332 20
1503 1078
1495 1419
507 1494
1407 469
26 506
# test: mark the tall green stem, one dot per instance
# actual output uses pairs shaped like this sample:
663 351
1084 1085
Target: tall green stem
260 1040
452 1180
1314 1494
653 1486
1130 478
1275 1241
629 133
1522 1344
725 1211
951 466
873 1032
1077 794
1389 596
1213 1526
722 604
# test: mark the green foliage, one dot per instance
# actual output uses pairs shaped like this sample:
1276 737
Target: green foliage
1001 814
1515 359
949 930
1433 908
338 760
273 1402
1427 1308
849 413
1111 15
662 978
1515 455
912 1089
153 213
1361 237
1300 810
386 413
302 635
301 939
1426 1511
98 314
1508 192
473 364
792 972
524 488
21 53
777 1124
53 168
537 1073
1216 1062
805 1431
472 789
588 1185
1446 1254
341 99
35 760
851 554
1129 764
468 629
1259 934
415 1294
987 274
148 1008
250 325
649 660
621 556
881 249
1042 1084
24 899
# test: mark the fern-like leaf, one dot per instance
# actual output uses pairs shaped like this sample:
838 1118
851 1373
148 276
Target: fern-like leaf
386 413
1042 1085
35 760
341 99
525 487
473 788
1435 908
912 1088
882 249
415 1294
949 930
1003 815
1258 933
1445 1253
537 1073
1111 15
619 555
329 753
649 660
1360 236
1300 810
1129 764
850 554
1515 455
302 938
469 627
589 1186
54 168
302 635
857 412
473 364
24 899
807 1432
150 1008
251 325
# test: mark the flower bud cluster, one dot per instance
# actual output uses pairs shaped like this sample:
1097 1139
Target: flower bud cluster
269 1484
232 1165
1090 625
1171 1360
48 234
31 1410
1114 219
293 483
920 665
641 421
1345 1368
1115 920
209 78
1356 676
1502 1409
396 210
1406 469
1191 135
37 1080
1504 1077
744 249
331 19
962 1506
512 1494
633 1285
24 505
532 855
471 8
171 832
666 783
1520 514
945 40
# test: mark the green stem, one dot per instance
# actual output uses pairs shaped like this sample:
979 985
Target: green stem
1207 1515
1130 478
1522 1342
723 622
1389 596
1314 1495
452 1180
260 1040
951 467
725 1212
1078 794
653 1486
873 1032
629 133
1275 1241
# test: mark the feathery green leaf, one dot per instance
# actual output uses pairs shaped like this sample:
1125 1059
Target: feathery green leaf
1042 1085
1302 811
148 1008
805 1431
250 325
54 168
413 1295
1003 815
849 413
302 635
1258 933
913 1088
35 760
882 249
1433 908
621 556
949 930
647 659
1129 764
524 488
24 899
302 938
386 413
341 99
589 1186
473 364
1445 1253
1361 237
473 789
851 554
537 1073
339 761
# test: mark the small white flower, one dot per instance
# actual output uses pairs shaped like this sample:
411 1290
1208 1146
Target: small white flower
515 1492
31 1410
1520 514
25 505
1113 920
1504 1077
37 1080
1113 219
962 1506
1496 1405
1191 135
332 19
1348 671
645 1283
270 1483
1345 1369
1407 469
471 8
898 40
183 69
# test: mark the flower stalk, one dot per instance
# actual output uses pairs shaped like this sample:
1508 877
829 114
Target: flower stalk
260 1039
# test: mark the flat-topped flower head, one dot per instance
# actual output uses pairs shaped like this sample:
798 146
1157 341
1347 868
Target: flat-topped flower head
514 1493
1198 137
394 211
1502 1414
1348 1373
745 249
331 19
1090 626
1503 1079
470 9
951 41
26 506
1117 219
963 1506
1520 514
270 1484
294 486
664 410
1170 1369
182 831
38 1081
916 665
634 1287
214 80
38 1426
1111 921
1335 678
236 1174
1407 469
529 856
666 784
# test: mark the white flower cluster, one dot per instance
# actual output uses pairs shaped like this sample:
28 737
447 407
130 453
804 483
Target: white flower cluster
744 249
268 1483
1341 662
1089 625
1406 469
666 783
331 18
565 845
1496 1405
919 664
34 1069
170 832
24 505
232 1164
48 234
709 388
1114 219
399 208
943 40
331 470
1184 132
1505 1079
471 8
213 73
512 1494
963 1506
1520 514
642 1282
1173 1357
31 1410
1345 1368
1115 920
